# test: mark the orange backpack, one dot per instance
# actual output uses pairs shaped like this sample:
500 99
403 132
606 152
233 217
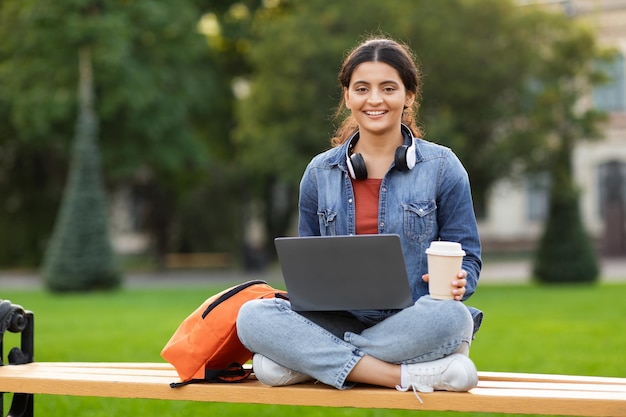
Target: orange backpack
205 347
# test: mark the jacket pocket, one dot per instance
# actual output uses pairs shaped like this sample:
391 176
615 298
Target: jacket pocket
327 222
419 219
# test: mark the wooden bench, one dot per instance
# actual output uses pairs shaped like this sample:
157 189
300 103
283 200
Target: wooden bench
496 391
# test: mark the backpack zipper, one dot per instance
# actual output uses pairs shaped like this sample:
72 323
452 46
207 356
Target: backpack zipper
229 294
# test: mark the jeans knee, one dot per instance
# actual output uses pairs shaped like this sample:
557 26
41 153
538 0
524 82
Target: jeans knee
247 320
454 316
463 318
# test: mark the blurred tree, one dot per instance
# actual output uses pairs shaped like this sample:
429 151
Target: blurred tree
287 116
566 72
166 102
158 95
214 215
482 63
477 59
80 256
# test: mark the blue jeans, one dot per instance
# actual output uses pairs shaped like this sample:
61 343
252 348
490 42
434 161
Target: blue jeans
327 346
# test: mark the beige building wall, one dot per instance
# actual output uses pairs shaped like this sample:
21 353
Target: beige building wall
508 225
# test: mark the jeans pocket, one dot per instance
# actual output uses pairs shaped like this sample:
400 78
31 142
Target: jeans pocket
419 219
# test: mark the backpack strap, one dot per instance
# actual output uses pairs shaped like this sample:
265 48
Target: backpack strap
235 372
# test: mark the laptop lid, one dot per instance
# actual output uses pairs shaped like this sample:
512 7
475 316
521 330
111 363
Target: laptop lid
330 273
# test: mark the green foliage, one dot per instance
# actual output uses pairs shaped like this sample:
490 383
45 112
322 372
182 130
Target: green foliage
169 121
286 119
133 325
164 114
209 215
476 75
565 253
564 74
26 215
481 61
80 256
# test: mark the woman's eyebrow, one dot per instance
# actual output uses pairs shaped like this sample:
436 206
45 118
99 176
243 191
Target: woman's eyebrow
382 82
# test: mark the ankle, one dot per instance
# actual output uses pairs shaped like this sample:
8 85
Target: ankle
464 349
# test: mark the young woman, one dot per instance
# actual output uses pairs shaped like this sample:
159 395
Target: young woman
379 178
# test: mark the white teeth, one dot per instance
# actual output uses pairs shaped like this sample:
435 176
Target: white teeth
374 113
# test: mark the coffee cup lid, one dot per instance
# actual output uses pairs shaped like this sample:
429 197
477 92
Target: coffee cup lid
442 248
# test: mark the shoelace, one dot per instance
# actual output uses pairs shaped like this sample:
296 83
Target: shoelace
425 382
416 388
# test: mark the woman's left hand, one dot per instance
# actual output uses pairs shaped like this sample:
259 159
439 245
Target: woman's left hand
458 285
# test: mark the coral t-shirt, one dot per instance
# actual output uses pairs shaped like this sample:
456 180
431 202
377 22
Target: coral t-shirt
366 195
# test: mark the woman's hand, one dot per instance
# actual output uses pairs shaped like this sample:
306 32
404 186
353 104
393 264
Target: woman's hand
458 285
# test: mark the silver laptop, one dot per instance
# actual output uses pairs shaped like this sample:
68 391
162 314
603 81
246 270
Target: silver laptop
333 273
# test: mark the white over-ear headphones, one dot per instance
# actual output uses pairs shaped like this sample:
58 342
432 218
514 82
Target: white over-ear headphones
404 157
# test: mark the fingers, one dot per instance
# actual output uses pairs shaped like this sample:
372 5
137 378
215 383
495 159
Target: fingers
458 285
458 293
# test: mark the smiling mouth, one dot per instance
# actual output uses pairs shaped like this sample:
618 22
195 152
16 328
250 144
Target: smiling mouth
375 113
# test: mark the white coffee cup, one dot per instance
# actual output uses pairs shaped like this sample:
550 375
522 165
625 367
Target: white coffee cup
444 263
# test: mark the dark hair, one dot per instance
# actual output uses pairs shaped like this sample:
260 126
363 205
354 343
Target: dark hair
391 53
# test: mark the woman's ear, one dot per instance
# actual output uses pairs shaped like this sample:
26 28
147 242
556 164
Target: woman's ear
410 99
346 99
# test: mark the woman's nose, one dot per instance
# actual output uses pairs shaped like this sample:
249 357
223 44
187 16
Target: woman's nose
375 97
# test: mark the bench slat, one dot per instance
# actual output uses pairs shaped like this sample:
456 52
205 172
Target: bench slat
108 365
498 379
483 375
76 368
117 371
574 379
495 393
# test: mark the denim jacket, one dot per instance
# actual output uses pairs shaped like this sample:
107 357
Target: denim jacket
432 201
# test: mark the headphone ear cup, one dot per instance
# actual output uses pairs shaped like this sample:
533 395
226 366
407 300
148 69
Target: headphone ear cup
358 166
400 158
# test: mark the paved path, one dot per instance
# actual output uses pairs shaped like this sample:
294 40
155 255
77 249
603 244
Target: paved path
612 270
510 272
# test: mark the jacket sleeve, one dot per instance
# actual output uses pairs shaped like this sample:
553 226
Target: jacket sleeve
457 220
308 221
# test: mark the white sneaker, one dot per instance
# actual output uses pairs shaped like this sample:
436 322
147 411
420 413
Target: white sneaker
270 373
456 372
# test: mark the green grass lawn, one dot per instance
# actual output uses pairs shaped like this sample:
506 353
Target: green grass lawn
563 329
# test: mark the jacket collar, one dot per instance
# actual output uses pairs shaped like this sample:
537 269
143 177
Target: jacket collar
339 156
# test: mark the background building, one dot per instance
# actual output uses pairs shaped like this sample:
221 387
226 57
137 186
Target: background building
517 209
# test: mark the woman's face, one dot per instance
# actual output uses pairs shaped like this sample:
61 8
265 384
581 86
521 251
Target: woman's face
376 97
